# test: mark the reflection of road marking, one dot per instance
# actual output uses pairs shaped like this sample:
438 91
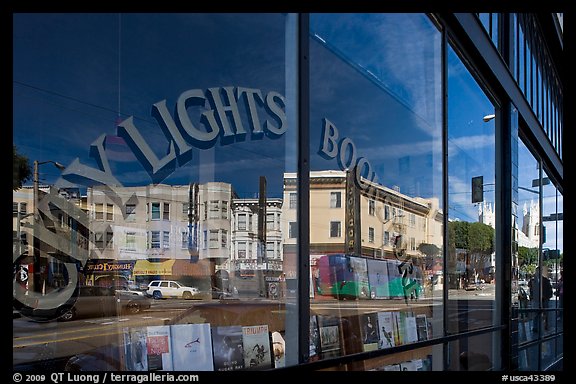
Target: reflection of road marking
81 330
60 340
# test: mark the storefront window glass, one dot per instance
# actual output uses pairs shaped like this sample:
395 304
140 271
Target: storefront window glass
175 132
376 139
472 217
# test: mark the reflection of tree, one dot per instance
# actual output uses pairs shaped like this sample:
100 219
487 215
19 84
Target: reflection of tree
21 170
431 251
481 245
477 239
527 260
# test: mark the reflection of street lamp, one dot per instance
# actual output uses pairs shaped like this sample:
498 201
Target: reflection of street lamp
36 216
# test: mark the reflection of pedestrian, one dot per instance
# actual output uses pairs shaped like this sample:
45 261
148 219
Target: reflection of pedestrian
560 290
540 281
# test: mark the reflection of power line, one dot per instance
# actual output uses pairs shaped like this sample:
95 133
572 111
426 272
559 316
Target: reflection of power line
369 75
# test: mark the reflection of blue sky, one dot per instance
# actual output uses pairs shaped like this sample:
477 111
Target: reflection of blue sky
471 141
68 70
390 109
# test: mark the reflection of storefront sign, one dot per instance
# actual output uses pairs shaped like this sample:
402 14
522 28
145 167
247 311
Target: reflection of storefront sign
108 267
353 231
216 108
145 267
253 266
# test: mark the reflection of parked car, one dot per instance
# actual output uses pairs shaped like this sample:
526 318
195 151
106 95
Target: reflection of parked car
101 301
160 289
89 301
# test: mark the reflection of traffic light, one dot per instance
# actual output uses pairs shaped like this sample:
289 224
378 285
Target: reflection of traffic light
477 189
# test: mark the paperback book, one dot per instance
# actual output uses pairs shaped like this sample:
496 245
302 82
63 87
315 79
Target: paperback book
256 346
192 347
228 348
158 348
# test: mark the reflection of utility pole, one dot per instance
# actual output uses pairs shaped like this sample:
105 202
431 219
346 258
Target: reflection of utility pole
193 222
261 259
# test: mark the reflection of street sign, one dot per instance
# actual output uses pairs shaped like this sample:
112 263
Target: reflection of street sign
554 217
477 189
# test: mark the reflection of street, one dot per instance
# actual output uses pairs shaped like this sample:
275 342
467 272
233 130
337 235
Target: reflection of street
35 342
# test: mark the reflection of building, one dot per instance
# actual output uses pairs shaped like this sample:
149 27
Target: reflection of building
164 231
528 234
384 213
55 243
194 233
245 242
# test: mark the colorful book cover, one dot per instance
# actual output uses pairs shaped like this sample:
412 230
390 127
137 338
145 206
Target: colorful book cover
256 345
386 330
158 348
192 347
422 325
314 352
228 348
369 327
135 349
329 336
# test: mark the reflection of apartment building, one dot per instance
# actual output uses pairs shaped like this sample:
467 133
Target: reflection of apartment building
180 232
192 233
383 214
247 252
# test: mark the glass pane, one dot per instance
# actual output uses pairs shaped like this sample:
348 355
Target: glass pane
179 129
376 140
528 232
471 203
473 353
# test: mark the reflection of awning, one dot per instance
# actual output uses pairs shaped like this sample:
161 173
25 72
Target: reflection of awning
145 267
186 268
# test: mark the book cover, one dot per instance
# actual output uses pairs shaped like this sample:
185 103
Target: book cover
227 347
192 347
329 329
369 331
136 358
314 353
422 326
256 346
410 328
386 330
158 348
